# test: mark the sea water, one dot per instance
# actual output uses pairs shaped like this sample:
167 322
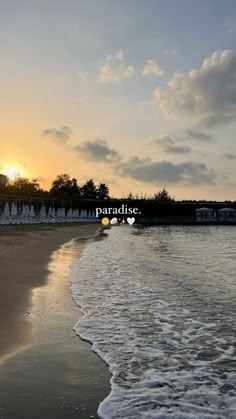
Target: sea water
159 307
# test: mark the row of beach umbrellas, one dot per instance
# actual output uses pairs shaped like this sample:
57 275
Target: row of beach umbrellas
15 212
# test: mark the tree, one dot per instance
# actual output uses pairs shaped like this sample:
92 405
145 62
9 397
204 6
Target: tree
88 190
64 186
163 196
102 191
74 186
24 186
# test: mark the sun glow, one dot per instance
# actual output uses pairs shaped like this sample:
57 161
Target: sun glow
13 171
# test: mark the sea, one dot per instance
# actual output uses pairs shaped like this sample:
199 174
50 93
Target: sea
159 307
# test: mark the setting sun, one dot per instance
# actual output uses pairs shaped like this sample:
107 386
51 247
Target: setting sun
13 171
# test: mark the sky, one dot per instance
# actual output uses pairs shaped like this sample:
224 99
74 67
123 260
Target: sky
139 94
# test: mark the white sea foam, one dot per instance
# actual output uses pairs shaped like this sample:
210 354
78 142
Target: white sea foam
168 356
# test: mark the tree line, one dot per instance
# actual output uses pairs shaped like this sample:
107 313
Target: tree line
65 187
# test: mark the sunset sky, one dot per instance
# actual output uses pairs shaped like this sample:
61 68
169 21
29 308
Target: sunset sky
138 94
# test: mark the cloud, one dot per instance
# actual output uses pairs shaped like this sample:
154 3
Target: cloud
168 145
98 150
152 69
229 156
60 135
206 95
114 69
146 170
165 172
198 135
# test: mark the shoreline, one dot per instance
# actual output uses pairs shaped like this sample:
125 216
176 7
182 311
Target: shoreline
37 319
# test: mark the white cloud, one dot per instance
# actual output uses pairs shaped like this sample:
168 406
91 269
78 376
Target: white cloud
152 69
207 95
114 69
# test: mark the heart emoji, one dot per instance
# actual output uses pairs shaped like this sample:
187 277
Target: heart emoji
130 220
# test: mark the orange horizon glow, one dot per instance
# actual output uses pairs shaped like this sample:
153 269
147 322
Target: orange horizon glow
13 170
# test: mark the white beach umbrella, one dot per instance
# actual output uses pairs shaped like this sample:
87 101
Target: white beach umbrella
63 212
81 213
75 213
58 213
12 209
42 212
32 213
23 212
27 211
15 210
53 213
7 210
69 213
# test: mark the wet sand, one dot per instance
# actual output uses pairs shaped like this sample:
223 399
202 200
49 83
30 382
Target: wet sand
46 370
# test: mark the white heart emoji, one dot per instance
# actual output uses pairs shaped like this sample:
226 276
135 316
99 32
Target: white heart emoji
131 220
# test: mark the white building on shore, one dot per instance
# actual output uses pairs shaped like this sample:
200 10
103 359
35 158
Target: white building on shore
205 214
226 214
221 215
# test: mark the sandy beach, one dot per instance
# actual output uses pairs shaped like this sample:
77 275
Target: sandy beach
45 369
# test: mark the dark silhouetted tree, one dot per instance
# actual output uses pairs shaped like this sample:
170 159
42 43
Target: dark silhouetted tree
88 190
64 186
163 196
24 186
102 191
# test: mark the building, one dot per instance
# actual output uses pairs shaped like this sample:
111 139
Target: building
205 214
3 180
226 214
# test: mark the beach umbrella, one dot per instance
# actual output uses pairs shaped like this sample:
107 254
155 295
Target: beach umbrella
58 213
15 210
69 213
75 213
53 213
27 211
81 213
32 213
12 209
63 212
49 212
7 210
42 212
23 212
